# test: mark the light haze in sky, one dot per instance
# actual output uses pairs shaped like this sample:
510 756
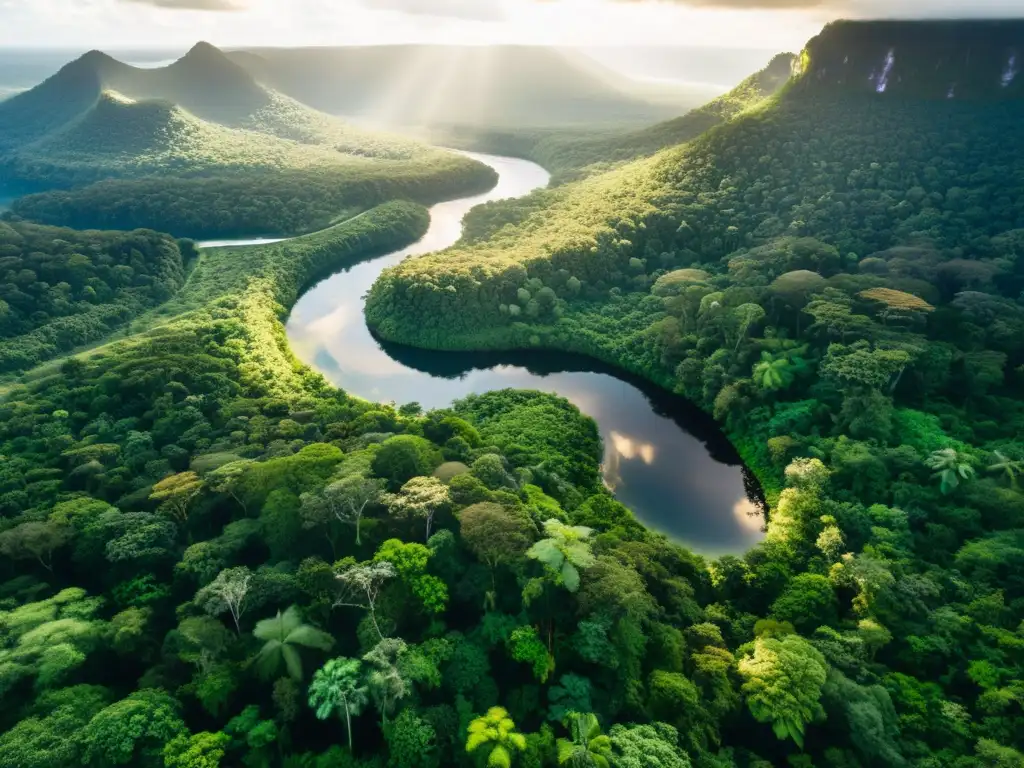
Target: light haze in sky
775 24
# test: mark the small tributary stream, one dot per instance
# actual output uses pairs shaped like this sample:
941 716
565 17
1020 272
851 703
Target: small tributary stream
663 458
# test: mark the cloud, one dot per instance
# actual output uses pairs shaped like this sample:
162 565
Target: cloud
471 10
193 5
910 9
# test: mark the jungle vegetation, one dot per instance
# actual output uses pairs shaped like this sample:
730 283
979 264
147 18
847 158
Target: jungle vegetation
213 558
838 276
62 288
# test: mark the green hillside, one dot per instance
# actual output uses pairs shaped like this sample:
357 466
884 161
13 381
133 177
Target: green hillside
62 288
204 136
839 278
118 138
570 154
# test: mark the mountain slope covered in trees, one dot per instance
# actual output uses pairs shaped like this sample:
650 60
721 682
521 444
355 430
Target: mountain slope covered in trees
61 288
204 136
839 278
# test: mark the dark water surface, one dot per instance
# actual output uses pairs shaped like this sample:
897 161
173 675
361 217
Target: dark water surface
664 458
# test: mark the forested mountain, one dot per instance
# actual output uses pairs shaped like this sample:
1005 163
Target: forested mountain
416 85
204 137
839 278
571 154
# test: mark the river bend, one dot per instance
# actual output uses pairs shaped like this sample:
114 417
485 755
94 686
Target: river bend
664 458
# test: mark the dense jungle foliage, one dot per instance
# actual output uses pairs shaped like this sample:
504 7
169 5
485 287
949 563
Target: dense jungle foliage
839 278
570 153
280 202
60 288
211 557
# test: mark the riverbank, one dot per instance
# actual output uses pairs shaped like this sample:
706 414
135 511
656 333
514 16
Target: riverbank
668 462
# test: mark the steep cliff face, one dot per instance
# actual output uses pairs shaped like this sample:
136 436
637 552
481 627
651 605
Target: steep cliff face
965 60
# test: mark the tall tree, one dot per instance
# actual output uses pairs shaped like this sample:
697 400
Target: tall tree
784 677
35 540
282 637
421 497
228 478
386 682
773 373
227 592
497 535
336 688
1009 468
361 586
344 501
176 494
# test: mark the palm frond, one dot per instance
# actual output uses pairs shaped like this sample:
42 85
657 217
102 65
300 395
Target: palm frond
310 637
292 660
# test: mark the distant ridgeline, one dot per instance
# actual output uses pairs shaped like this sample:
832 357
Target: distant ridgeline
200 148
977 60
572 153
501 85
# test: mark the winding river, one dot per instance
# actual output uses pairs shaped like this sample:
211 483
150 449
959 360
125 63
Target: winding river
664 458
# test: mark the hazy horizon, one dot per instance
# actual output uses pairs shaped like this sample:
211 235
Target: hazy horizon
171 24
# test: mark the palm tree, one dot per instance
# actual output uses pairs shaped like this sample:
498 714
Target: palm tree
282 636
336 688
386 682
950 468
773 372
565 552
588 747
496 733
1007 466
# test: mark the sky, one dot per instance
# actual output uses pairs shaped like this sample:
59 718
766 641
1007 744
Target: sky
176 24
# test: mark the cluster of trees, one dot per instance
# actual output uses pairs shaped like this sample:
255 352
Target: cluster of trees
60 288
840 280
284 202
213 561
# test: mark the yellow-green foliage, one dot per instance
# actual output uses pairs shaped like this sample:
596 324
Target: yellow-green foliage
127 138
585 230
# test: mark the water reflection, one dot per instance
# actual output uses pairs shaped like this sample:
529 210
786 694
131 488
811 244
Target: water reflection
664 458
